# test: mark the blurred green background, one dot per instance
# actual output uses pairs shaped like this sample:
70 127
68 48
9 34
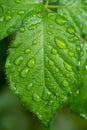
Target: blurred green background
15 116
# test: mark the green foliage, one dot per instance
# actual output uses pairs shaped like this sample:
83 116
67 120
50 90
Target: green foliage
46 64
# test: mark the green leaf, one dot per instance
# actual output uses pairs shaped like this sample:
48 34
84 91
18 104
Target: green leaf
43 59
12 13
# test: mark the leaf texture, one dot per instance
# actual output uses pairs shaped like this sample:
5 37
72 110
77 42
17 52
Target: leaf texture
45 59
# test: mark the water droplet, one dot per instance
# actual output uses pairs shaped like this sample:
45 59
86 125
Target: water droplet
60 43
29 87
54 51
51 62
65 83
34 42
21 12
18 60
77 92
27 51
7 65
46 94
67 66
70 52
31 62
21 29
86 67
36 98
51 26
49 33
60 20
24 72
7 17
17 1
70 30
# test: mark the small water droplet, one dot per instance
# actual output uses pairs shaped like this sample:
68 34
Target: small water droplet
27 51
70 30
17 1
29 87
18 60
36 98
46 94
65 83
73 39
54 51
7 65
24 72
51 62
31 62
8 17
60 20
67 66
22 29
21 12
49 33
70 52
60 43
51 26
86 67
34 42
77 92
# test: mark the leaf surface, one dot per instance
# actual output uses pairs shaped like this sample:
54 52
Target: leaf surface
43 59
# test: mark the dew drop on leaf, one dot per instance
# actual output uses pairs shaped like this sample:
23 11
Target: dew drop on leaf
18 60
22 29
60 43
29 87
8 17
17 1
60 20
27 51
46 94
51 26
21 12
31 62
34 42
54 51
65 83
70 30
49 33
24 72
67 66
36 98
1 19
51 62
70 52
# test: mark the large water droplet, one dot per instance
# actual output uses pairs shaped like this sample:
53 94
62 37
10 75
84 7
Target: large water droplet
27 51
65 83
51 62
60 20
29 87
67 66
1 19
24 72
36 98
31 62
54 51
18 60
7 65
60 43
